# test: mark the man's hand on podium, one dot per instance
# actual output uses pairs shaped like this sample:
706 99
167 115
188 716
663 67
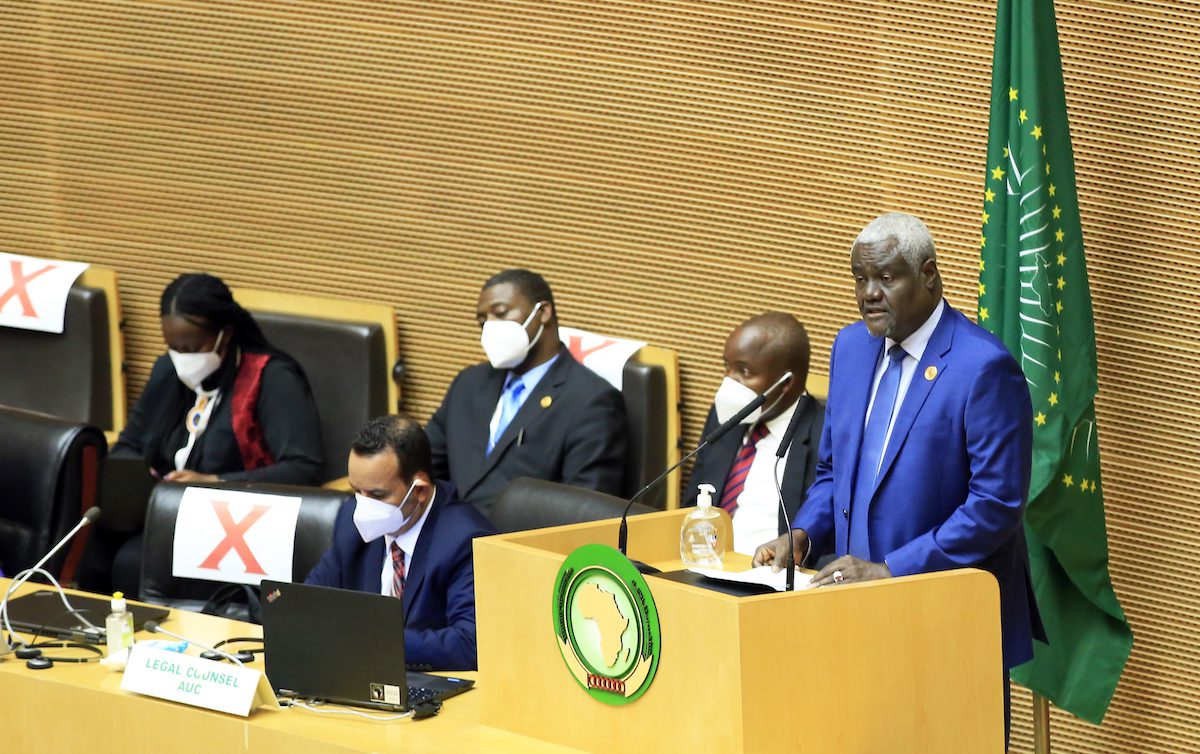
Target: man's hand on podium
849 568
775 554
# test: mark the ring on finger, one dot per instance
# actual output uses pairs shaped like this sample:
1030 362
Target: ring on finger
838 577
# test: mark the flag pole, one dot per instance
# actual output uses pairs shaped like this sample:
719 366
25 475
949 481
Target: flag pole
1041 724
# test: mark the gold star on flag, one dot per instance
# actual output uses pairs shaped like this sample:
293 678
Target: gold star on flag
989 195
1012 94
1058 306
1083 484
1023 116
1037 132
997 173
1006 152
983 314
985 218
982 242
1053 399
981 265
1062 258
1057 377
982 289
1047 164
1068 480
1093 485
1043 155
1058 236
1061 283
1057 212
1052 189
1040 418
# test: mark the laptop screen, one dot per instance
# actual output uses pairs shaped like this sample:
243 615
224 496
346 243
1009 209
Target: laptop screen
335 644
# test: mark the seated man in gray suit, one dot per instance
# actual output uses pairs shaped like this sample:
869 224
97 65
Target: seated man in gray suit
532 410
740 464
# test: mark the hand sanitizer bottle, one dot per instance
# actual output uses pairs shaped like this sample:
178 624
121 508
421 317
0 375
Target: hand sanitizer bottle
702 536
118 627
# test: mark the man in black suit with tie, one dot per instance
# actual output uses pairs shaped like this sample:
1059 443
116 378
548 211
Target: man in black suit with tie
740 465
532 410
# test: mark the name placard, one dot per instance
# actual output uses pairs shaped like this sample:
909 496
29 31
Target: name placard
187 679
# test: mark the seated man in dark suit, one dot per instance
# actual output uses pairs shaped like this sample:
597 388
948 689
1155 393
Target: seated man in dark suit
406 536
533 410
741 464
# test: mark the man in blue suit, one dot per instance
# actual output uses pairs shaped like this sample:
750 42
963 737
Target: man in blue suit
925 455
403 535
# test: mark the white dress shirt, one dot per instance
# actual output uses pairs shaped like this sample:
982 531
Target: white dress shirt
756 519
408 544
914 346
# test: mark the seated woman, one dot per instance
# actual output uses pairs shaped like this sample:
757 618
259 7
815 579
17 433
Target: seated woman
222 404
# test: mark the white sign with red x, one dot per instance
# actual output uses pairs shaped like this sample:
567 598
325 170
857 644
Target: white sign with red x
236 537
33 292
603 355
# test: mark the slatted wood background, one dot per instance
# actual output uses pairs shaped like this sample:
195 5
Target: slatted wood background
670 166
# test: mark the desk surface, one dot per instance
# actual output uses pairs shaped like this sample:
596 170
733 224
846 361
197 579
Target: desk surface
81 707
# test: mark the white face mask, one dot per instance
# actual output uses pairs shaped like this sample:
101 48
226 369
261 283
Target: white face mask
506 343
375 518
195 368
733 396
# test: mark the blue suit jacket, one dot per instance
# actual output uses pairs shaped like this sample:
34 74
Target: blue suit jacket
954 477
439 587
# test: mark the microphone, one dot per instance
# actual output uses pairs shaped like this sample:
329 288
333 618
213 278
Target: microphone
89 516
153 627
733 421
785 441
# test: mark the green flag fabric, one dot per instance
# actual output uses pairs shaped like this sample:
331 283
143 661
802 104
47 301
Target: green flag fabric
1033 294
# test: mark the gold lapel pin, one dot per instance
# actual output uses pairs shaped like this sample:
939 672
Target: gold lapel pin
930 373
546 401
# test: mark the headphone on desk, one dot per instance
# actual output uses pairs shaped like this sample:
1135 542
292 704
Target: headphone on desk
36 660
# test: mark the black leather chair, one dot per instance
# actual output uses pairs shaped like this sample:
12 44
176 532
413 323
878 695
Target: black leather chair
49 471
314 534
83 381
534 503
644 386
347 350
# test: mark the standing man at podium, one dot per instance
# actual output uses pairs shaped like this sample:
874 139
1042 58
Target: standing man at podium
741 464
531 410
925 456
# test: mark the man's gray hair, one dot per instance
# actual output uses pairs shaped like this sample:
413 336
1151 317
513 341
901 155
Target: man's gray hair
913 239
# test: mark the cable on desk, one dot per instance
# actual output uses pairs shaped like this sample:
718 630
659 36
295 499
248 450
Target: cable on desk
333 711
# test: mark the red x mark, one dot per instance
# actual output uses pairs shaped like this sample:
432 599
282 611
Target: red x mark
575 346
235 537
20 287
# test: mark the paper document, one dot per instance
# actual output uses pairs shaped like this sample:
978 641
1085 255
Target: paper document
761 575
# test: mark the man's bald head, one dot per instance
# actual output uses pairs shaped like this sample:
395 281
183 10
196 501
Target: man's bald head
764 347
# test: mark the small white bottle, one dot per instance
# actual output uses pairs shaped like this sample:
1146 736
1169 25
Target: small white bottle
702 536
118 627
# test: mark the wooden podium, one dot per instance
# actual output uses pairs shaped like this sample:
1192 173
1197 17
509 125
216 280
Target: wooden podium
900 665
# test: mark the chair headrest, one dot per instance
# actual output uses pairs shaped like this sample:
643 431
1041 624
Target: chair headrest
535 503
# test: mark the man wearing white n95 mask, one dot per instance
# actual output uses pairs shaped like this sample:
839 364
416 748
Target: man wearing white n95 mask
741 463
405 536
531 410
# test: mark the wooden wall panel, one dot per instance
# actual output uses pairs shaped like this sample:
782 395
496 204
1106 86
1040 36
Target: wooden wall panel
670 166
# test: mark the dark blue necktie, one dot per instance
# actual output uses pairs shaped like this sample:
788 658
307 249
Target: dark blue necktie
871 453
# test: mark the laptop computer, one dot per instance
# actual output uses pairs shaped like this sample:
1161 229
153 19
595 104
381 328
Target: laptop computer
125 486
343 646
42 612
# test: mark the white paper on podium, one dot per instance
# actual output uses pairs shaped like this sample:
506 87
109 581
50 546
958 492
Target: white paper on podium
762 575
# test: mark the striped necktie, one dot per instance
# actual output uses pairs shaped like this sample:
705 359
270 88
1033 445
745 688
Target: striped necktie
736 481
397 571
